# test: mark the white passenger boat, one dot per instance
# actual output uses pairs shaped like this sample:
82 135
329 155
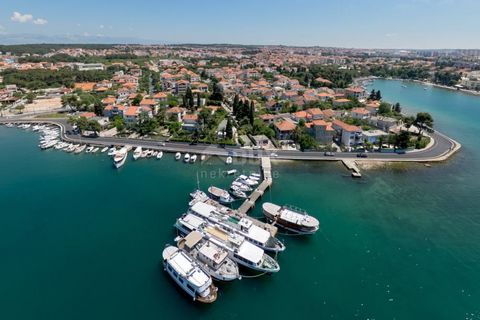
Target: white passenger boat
239 249
193 158
188 275
160 155
212 258
186 157
220 195
243 226
137 153
178 156
120 157
231 172
290 218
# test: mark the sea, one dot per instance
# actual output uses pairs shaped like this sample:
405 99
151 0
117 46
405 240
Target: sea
82 240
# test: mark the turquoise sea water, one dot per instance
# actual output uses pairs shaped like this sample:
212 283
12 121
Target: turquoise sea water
80 240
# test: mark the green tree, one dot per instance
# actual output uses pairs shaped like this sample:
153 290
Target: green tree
378 95
190 103
251 114
30 97
397 108
384 108
235 106
119 123
136 101
229 129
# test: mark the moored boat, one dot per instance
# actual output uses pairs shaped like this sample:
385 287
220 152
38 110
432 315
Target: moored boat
178 156
212 258
104 150
240 250
120 157
80 148
137 153
219 194
188 275
193 158
186 157
159 155
291 218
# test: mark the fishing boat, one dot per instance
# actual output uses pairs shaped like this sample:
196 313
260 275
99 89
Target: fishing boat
193 158
159 155
104 150
220 195
212 258
89 149
137 153
239 249
178 156
243 226
203 157
188 275
120 157
112 151
144 154
95 150
291 218
186 157
229 160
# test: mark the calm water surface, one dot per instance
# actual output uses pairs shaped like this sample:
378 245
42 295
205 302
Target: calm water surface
80 240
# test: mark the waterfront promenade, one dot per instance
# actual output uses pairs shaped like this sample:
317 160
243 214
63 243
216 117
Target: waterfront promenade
440 150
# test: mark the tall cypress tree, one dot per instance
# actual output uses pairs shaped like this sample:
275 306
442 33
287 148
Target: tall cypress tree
236 103
251 114
189 99
229 129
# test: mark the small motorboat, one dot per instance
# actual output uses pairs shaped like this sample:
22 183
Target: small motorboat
89 149
186 157
178 156
137 153
95 150
193 158
229 160
112 151
104 150
159 155
230 172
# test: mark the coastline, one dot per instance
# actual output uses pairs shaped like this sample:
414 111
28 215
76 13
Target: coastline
359 81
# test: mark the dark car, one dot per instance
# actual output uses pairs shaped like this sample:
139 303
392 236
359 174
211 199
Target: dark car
329 154
362 155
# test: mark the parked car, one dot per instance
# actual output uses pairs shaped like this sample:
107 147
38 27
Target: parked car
273 154
329 154
362 155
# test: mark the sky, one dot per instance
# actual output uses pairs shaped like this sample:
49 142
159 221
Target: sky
419 24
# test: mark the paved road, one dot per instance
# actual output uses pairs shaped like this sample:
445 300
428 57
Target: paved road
442 148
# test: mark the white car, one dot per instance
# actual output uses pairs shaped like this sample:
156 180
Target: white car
273 154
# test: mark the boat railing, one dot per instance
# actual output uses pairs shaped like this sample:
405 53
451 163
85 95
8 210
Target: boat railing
295 209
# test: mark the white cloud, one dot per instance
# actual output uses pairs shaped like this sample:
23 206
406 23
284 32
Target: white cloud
102 26
22 18
40 21
2 29
86 34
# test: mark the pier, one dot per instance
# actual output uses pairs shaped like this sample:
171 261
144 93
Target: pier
352 166
260 190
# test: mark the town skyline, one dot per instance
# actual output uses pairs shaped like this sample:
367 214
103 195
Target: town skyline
410 24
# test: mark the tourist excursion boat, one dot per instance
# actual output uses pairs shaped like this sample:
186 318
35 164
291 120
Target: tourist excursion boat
220 195
188 275
239 249
212 258
290 218
243 226
137 153
120 157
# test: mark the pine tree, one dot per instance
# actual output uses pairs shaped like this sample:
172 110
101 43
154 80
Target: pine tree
378 95
372 95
